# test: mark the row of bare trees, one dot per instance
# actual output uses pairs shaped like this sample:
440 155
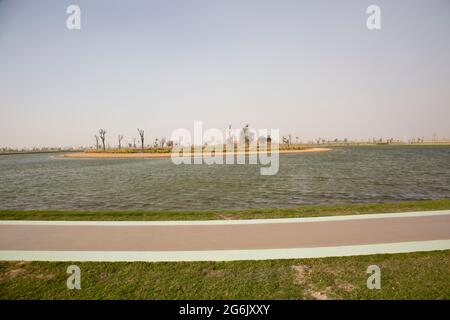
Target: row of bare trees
246 134
100 140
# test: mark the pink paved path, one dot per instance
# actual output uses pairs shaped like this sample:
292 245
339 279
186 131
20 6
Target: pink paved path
224 237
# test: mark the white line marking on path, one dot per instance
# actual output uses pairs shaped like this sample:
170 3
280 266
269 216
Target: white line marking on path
224 255
227 222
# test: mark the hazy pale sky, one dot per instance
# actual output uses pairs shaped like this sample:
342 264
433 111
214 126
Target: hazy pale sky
310 68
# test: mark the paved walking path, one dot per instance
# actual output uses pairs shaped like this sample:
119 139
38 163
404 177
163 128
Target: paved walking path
224 240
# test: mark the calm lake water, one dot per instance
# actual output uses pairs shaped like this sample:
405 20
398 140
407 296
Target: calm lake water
345 175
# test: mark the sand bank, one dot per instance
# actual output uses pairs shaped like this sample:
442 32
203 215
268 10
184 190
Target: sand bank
111 155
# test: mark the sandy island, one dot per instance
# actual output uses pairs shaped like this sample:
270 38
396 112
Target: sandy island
111 155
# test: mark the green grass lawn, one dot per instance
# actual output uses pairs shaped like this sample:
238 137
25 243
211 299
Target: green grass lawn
305 211
424 275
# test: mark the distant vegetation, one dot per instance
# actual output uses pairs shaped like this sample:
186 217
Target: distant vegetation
163 145
10 151
287 142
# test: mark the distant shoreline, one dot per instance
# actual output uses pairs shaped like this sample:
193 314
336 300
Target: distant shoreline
111 155
36 152
306 148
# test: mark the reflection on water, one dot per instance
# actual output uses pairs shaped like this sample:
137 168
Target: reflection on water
346 175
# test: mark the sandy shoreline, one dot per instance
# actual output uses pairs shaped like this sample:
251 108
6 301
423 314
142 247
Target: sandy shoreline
96 155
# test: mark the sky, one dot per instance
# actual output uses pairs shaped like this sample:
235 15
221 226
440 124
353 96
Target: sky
309 68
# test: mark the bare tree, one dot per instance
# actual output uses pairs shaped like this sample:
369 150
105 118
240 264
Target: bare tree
97 142
247 135
163 141
120 140
141 134
229 136
287 140
102 133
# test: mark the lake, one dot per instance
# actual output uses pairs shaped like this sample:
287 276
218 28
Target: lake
342 176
